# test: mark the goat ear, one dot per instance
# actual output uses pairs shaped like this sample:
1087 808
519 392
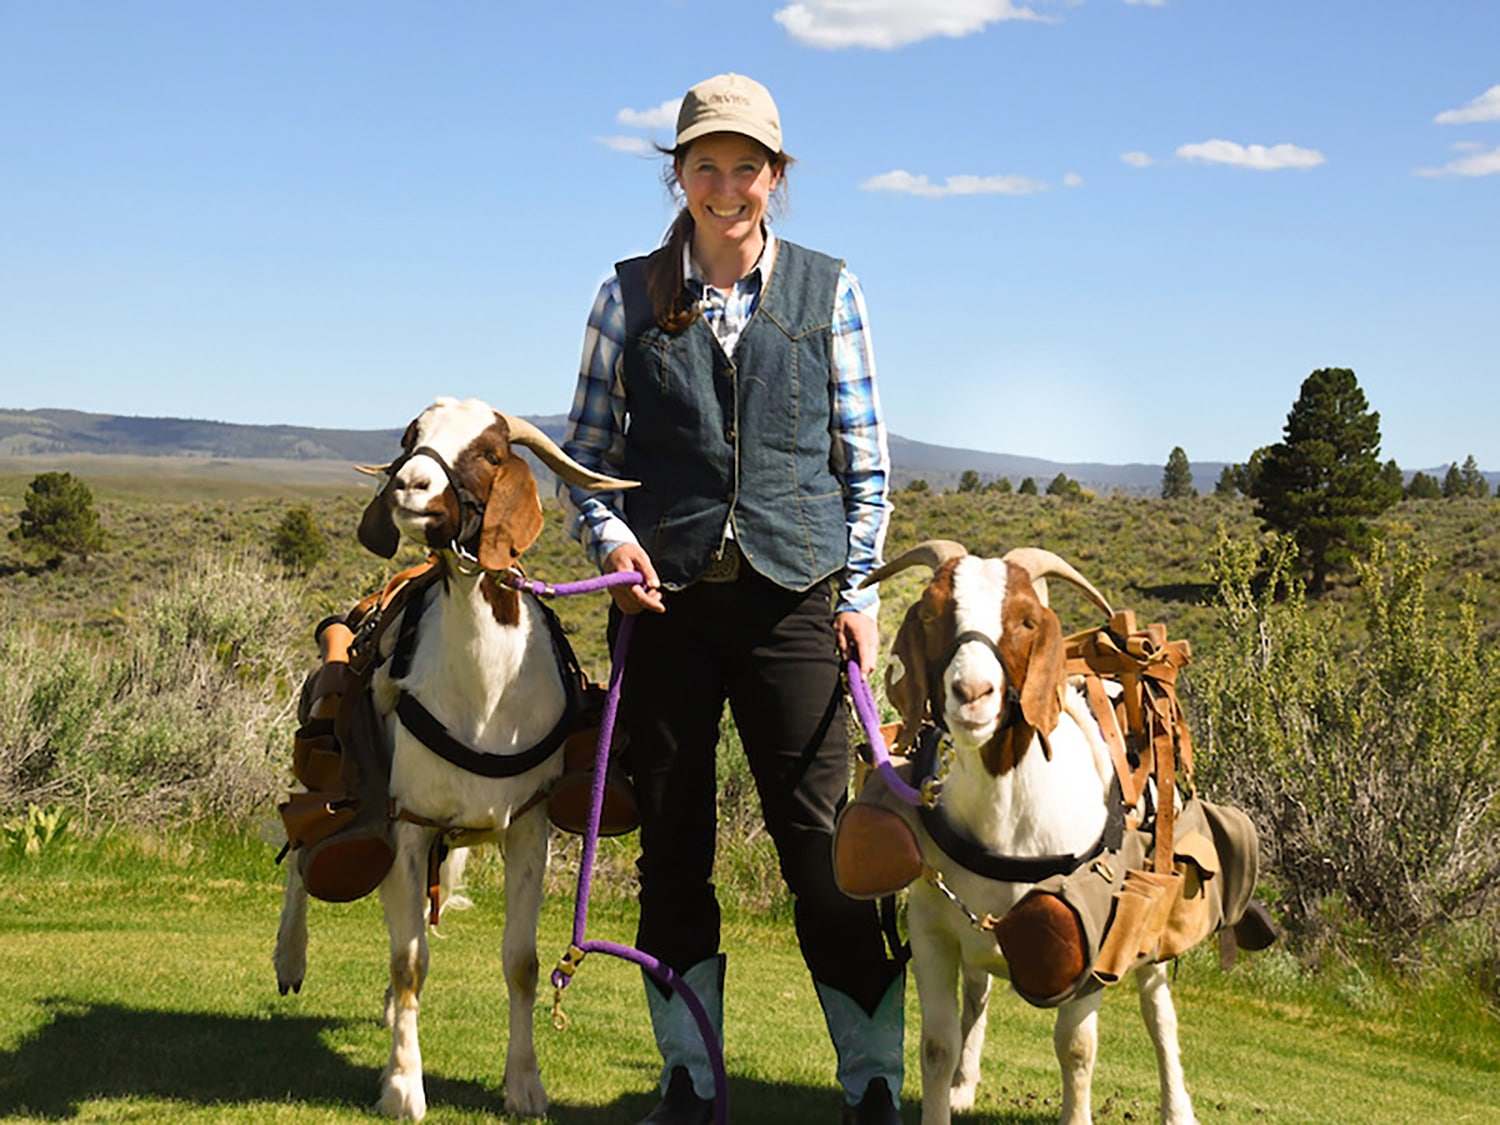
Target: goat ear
1041 694
512 515
377 530
1041 699
906 674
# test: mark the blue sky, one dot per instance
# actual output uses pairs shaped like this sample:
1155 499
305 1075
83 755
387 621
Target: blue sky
1087 230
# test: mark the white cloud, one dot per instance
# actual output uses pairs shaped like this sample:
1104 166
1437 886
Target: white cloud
1486 107
1072 179
1261 158
663 116
1137 159
1477 162
636 146
887 24
907 184
1149 3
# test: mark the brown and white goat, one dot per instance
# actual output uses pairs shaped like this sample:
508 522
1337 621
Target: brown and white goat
485 666
982 653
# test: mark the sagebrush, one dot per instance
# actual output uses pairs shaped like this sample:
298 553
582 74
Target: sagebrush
1372 771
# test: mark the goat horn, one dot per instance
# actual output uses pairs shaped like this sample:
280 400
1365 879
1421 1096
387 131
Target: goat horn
524 433
1041 564
372 470
931 553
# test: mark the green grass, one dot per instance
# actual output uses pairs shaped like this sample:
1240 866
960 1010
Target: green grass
140 988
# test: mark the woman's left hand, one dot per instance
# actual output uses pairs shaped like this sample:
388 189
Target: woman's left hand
858 638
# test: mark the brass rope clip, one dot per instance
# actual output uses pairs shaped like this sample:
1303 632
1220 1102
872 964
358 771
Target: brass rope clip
567 965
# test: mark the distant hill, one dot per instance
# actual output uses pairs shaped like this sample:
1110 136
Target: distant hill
29 433
37 436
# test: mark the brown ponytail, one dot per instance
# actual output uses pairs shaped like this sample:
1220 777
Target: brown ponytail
665 284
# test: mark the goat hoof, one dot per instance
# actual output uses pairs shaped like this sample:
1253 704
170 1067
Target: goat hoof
526 1098
402 1098
961 1098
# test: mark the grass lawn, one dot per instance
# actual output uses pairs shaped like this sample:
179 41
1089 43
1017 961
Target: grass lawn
140 989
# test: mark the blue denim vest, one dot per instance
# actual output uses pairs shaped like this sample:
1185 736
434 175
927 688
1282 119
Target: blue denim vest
743 437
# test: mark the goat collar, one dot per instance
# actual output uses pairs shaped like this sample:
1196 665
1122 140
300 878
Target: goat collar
974 856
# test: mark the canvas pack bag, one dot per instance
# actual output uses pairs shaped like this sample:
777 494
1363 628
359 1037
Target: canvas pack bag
339 827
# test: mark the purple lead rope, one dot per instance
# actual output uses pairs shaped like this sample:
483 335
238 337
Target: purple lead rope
864 707
663 973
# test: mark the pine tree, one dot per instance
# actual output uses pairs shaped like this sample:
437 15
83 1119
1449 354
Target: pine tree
969 481
1474 483
1229 481
1177 477
1063 485
1423 487
1393 479
1323 480
58 518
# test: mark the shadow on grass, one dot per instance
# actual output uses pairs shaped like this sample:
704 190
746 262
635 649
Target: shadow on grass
88 1053
1180 593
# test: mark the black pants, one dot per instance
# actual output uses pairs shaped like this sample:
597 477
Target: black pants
770 653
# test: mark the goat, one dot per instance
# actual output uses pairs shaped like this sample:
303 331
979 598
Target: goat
1029 777
486 668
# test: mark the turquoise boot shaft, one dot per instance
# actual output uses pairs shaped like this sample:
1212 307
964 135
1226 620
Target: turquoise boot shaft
870 1046
678 1037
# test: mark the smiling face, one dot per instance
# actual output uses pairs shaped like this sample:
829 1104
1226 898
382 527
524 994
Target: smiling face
727 180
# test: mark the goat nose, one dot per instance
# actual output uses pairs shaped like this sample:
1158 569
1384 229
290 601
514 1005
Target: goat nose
968 692
414 480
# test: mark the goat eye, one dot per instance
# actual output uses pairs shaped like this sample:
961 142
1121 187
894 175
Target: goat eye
492 456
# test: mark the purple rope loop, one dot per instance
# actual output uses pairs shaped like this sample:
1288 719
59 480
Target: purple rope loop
663 973
864 706
596 793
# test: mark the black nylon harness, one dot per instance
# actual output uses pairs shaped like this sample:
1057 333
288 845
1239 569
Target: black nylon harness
427 729
973 856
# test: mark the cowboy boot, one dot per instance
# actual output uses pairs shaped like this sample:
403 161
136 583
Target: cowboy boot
687 1078
869 1046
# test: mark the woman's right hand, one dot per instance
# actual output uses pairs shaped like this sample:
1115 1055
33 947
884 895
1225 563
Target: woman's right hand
643 595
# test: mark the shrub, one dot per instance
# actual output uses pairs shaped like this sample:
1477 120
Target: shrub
298 543
1372 774
187 713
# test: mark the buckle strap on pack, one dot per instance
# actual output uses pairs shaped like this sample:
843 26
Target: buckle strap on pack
1145 664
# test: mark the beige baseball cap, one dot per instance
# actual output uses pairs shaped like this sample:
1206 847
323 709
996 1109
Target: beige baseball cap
729 103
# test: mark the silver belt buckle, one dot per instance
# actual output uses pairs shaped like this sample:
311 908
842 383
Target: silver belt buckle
725 567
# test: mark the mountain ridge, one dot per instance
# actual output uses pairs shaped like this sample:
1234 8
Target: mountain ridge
27 435
34 436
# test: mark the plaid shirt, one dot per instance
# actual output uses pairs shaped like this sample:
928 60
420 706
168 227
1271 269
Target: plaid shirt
858 453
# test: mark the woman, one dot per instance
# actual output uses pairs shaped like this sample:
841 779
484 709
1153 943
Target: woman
731 374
